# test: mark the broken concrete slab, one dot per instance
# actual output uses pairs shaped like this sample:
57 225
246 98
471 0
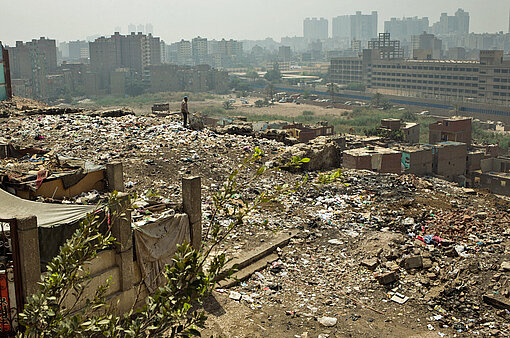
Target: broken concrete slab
413 262
497 301
387 278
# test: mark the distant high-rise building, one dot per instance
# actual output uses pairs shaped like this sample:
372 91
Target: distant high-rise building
457 24
163 52
426 46
199 50
118 29
315 29
185 53
33 61
284 54
341 27
78 50
364 27
63 47
133 51
140 29
355 27
403 29
131 28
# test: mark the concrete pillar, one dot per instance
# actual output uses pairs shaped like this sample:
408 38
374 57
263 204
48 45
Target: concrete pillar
28 249
192 204
115 176
121 230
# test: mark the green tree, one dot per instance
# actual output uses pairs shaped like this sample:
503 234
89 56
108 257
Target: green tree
332 90
252 75
356 86
379 101
227 105
270 92
274 75
306 94
259 103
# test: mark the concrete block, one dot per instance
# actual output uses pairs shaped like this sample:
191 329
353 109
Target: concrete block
387 278
413 262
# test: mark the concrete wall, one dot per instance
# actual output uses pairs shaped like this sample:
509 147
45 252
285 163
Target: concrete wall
474 160
383 163
420 162
450 160
496 184
412 134
356 162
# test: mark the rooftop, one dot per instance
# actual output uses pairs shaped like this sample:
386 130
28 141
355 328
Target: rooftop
368 151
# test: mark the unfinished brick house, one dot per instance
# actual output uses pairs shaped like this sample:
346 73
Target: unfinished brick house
454 129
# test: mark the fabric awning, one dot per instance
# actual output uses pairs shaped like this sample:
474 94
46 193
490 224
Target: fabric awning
48 215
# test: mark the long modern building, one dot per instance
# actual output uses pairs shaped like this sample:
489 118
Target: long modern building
486 80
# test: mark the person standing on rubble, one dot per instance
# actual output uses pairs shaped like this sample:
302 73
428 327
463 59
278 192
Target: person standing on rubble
184 111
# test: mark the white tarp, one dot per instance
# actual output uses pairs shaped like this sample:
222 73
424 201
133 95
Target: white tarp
156 244
48 215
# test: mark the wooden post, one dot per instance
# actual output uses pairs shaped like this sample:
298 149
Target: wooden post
121 230
192 204
115 176
27 246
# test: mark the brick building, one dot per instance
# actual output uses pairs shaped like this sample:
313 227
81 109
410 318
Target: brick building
378 159
307 133
410 130
454 129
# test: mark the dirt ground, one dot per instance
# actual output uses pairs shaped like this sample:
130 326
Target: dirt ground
285 109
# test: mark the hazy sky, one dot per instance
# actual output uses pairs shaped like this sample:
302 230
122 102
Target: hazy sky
239 19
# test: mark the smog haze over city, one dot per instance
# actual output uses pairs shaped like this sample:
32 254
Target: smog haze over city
238 19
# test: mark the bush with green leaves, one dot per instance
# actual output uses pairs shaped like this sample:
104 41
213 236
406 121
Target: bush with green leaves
174 309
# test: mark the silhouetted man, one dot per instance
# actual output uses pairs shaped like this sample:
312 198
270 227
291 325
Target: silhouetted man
184 111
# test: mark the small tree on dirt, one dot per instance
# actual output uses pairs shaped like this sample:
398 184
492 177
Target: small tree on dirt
270 92
227 105
259 103
175 308
379 101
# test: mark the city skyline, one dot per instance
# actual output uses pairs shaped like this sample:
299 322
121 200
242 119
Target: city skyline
240 19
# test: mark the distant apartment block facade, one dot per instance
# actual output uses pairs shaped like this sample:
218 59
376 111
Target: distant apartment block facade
457 24
315 29
199 50
426 46
359 26
199 78
78 50
134 51
5 76
32 62
484 81
403 29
